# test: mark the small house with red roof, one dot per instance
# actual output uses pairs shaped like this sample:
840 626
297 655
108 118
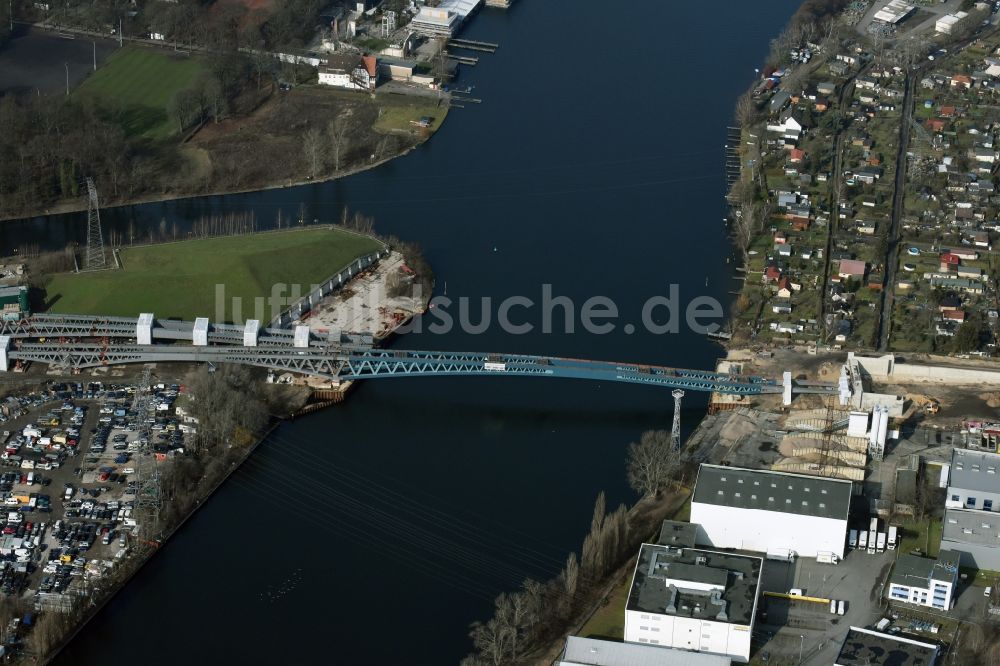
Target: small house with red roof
796 155
957 316
771 274
948 112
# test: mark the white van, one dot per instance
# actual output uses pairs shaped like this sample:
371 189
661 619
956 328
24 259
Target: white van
27 464
833 606
840 607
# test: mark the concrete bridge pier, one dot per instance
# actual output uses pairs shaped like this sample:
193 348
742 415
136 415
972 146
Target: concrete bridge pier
786 383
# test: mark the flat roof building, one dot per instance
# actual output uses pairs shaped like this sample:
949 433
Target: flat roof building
763 510
974 480
925 581
693 599
864 647
974 535
593 652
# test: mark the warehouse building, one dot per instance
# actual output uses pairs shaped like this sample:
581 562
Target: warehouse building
594 652
974 535
974 480
925 582
14 301
693 599
765 511
864 647
894 12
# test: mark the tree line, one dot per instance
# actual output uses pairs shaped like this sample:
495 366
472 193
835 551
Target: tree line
527 620
203 23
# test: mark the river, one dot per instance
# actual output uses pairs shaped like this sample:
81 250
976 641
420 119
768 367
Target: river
375 532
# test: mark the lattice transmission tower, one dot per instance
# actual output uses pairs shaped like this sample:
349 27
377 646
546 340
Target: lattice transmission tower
94 258
675 432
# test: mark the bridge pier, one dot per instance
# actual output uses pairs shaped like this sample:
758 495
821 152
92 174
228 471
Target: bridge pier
250 332
4 347
786 384
144 328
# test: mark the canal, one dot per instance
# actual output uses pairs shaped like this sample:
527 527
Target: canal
375 532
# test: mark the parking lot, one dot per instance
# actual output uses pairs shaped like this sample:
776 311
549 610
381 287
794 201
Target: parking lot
789 627
69 482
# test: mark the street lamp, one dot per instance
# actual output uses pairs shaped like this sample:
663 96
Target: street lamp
67 78
802 638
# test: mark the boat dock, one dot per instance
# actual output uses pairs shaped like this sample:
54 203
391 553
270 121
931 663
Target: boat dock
464 60
473 45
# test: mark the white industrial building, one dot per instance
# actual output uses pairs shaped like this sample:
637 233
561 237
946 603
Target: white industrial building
593 652
443 20
766 511
894 12
973 480
947 23
923 581
693 599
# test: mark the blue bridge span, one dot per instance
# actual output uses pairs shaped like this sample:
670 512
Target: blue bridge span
75 342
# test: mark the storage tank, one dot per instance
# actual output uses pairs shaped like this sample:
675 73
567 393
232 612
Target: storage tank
883 426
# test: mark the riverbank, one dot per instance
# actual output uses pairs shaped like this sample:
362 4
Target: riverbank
147 556
81 206
268 137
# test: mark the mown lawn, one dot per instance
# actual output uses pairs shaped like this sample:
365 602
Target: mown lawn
183 279
141 82
396 116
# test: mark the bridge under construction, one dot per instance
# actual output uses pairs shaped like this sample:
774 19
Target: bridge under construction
76 342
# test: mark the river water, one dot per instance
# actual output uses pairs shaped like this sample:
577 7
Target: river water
375 532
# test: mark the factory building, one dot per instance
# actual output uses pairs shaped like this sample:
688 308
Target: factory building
923 581
767 511
693 599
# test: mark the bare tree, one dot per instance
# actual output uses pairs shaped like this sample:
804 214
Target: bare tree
490 639
338 139
312 145
651 462
746 110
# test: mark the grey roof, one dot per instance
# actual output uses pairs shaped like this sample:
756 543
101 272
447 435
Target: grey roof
914 571
773 491
865 647
975 470
677 534
593 652
981 528
660 574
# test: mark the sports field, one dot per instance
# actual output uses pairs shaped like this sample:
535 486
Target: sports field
179 279
143 81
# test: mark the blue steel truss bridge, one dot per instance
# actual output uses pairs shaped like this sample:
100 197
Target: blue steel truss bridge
72 342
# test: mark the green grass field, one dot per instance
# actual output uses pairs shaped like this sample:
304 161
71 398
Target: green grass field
143 81
180 279
398 116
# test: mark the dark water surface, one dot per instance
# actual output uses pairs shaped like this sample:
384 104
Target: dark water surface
375 532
